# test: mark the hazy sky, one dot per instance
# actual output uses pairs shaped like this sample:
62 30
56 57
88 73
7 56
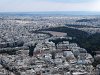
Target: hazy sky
48 5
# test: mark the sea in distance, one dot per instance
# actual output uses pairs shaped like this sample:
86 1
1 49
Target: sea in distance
52 13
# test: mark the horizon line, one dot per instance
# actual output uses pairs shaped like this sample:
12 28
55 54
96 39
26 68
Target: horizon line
70 13
46 11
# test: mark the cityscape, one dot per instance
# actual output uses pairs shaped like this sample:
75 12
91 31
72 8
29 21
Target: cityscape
29 47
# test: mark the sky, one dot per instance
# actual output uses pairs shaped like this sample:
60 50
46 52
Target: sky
48 5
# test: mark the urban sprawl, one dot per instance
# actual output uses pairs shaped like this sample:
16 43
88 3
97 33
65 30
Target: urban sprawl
27 49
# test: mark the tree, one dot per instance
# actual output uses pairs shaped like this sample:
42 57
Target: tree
53 54
31 49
